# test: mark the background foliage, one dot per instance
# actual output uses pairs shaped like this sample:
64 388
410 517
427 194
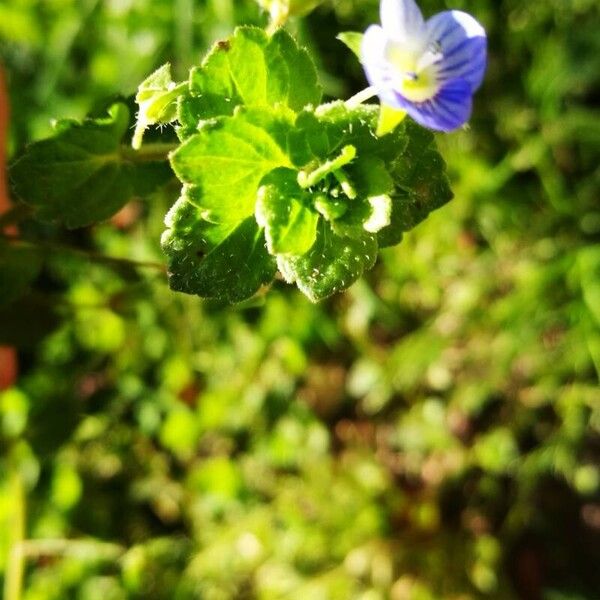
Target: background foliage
432 433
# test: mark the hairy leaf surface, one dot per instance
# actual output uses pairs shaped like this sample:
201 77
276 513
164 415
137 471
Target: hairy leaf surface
333 263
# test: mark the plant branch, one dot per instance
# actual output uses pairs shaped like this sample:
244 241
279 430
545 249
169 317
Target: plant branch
88 254
148 153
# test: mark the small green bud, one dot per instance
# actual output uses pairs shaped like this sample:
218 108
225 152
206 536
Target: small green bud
156 98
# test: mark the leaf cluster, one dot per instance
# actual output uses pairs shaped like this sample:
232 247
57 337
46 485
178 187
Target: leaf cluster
272 180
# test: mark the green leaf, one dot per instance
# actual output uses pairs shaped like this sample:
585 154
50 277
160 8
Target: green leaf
151 94
332 264
247 64
322 185
371 177
226 262
84 174
353 40
225 161
186 230
292 73
213 91
284 210
420 181
19 266
249 69
356 126
326 130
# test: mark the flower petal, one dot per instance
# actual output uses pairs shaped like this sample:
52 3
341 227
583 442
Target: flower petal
402 21
463 43
450 108
373 55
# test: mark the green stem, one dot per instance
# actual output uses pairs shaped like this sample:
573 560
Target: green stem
13 582
88 254
345 183
307 179
147 153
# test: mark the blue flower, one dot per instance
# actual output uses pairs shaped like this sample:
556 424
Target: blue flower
429 69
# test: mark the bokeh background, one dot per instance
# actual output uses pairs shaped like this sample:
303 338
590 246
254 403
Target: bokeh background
433 433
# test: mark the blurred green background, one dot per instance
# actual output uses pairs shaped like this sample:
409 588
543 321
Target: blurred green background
433 433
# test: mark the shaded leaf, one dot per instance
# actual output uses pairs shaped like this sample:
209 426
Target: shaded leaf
83 175
215 261
420 181
324 131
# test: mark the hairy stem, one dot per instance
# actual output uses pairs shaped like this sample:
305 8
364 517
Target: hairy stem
307 179
361 97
